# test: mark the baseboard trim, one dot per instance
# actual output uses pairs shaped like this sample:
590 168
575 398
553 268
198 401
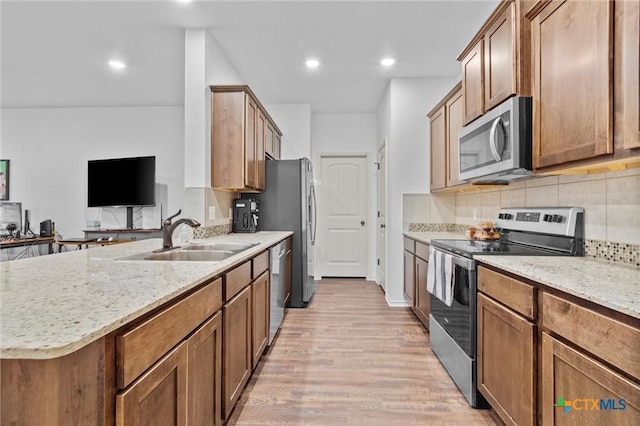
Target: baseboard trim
396 304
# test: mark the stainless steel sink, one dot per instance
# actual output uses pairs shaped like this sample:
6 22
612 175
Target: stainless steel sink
234 247
198 256
205 252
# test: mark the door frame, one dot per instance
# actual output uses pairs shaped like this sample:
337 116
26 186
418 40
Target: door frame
381 203
321 213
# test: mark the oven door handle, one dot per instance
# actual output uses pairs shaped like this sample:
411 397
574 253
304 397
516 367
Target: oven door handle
463 262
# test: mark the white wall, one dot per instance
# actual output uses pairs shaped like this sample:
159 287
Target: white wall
406 105
294 121
349 133
49 149
205 65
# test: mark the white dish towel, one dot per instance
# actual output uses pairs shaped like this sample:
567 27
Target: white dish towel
440 279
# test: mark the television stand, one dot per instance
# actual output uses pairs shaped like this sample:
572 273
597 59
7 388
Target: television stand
123 234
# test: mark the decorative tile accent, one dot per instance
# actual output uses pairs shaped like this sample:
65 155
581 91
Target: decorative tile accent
617 253
437 227
211 231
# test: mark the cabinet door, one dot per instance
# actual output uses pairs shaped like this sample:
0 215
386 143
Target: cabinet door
158 397
438 150
236 364
506 368
259 150
252 135
499 71
472 84
269 140
572 82
454 124
260 316
287 277
627 60
277 142
571 381
422 308
409 277
205 373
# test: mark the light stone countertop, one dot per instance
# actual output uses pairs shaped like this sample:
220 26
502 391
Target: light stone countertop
53 305
609 285
426 237
615 287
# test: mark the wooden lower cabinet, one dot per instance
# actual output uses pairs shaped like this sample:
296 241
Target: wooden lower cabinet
572 381
260 295
159 396
506 362
205 374
422 304
409 277
236 358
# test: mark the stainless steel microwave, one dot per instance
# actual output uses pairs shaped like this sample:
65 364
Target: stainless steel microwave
496 148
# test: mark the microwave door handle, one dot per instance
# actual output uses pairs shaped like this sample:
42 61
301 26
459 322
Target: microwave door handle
493 140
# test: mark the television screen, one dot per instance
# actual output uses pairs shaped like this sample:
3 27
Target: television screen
122 182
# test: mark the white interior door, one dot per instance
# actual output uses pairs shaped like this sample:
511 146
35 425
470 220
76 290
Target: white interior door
344 210
382 215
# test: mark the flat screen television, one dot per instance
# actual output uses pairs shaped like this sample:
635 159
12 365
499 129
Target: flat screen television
122 182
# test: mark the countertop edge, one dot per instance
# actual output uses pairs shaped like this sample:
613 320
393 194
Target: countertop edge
56 351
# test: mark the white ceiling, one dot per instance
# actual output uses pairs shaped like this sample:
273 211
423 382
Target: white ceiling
55 53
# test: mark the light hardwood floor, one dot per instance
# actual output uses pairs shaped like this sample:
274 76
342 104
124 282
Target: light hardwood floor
351 359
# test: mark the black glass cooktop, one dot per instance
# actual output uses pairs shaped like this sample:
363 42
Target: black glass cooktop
470 248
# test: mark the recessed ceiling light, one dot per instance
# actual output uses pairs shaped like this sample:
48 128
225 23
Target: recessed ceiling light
118 65
312 63
183 1
387 62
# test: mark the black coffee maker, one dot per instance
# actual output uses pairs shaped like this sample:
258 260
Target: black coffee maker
245 215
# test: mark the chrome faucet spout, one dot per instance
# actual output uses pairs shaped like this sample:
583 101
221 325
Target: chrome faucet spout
168 228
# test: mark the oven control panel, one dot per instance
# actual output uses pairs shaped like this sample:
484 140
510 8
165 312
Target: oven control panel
565 221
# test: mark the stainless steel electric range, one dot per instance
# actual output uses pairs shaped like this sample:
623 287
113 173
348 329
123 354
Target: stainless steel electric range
557 231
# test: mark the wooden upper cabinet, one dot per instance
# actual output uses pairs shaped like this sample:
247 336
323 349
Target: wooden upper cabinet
472 83
496 63
454 111
438 149
269 139
626 68
446 120
499 81
277 147
239 139
253 133
572 81
261 139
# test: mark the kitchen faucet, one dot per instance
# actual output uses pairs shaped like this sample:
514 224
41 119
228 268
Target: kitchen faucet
168 228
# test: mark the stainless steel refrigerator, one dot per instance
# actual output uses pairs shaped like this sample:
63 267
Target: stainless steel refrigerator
289 204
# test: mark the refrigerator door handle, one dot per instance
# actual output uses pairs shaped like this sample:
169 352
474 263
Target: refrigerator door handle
313 219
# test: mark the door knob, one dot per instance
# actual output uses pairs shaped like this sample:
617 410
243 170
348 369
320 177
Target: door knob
362 222
382 225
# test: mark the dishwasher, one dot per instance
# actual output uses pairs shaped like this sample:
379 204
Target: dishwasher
276 314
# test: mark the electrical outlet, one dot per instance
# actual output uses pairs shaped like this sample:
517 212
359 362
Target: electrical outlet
212 212
475 214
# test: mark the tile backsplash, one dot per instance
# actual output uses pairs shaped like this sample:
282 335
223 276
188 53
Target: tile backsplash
611 202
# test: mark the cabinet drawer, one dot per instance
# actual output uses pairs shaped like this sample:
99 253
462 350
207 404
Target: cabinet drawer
511 292
260 264
422 250
409 245
139 348
609 339
236 280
